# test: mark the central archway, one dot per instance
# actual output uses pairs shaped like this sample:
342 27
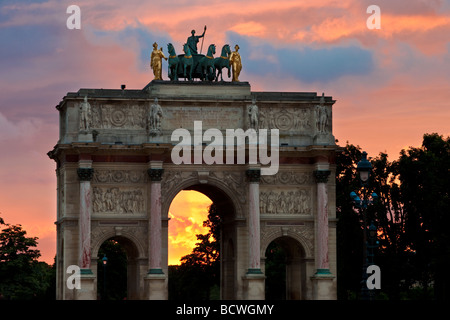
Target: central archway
187 213
227 211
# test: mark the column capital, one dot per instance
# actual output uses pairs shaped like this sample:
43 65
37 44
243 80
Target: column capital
321 176
253 175
85 174
155 174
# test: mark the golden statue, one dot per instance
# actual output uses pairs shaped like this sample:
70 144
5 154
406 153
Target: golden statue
155 61
236 65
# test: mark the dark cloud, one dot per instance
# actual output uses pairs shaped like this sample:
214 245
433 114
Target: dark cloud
24 42
305 63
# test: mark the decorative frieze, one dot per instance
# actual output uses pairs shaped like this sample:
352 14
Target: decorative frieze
285 202
118 200
119 116
287 178
119 176
285 119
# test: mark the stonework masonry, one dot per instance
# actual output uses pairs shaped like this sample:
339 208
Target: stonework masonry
116 179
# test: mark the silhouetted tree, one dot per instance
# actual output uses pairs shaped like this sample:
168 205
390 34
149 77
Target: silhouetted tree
199 272
22 276
424 192
412 218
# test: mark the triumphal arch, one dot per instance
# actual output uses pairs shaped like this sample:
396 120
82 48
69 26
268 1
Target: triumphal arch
266 159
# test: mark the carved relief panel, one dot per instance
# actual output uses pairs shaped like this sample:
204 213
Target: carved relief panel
288 201
291 195
106 116
286 119
119 191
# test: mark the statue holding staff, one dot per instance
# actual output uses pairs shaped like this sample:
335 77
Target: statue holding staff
193 40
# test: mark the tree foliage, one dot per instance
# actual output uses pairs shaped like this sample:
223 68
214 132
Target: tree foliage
411 217
22 276
424 192
201 268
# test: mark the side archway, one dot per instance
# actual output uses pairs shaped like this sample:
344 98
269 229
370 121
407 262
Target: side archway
135 260
290 254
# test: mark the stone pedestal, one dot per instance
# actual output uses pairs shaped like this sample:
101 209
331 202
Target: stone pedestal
85 137
323 286
88 290
254 284
324 139
156 287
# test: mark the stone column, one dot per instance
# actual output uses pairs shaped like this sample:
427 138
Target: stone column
155 221
322 220
254 278
155 278
323 280
84 221
254 176
87 278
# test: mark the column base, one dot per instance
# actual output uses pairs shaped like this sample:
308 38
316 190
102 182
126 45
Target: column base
155 271
88 290
155 285
254 285
254 271
324 286
323 272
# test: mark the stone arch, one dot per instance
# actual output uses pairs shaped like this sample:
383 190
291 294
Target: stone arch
136 255
100 234
221 195
303 236
195 183
296 264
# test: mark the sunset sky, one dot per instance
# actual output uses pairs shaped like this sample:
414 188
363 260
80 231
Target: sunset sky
391 85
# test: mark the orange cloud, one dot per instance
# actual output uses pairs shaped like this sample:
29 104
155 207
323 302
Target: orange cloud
250 28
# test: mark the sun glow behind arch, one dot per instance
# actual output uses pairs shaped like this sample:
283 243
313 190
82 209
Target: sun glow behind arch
187 212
